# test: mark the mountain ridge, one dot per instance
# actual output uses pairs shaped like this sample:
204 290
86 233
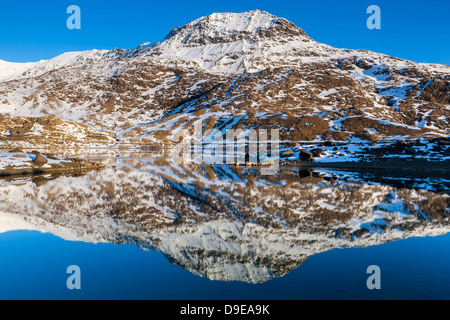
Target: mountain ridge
252 67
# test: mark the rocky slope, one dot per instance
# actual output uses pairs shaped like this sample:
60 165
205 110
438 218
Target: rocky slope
247 70
49 132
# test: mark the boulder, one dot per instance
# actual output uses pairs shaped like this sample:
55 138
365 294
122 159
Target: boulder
305 155
40 160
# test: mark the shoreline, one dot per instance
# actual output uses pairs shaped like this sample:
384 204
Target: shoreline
20 163
41 171
379 164
398 163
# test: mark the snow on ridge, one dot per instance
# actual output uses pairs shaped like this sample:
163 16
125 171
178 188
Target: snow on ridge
213 43
249 21
17 70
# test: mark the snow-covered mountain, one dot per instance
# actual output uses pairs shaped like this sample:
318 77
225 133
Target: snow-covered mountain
228 224
234 70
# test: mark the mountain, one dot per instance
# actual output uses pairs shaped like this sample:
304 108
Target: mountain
248 70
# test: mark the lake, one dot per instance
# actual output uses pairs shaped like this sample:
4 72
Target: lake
148 227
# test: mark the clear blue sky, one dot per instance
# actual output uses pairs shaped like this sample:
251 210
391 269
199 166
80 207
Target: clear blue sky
35 30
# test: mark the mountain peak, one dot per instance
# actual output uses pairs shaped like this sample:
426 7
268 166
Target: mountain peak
251 26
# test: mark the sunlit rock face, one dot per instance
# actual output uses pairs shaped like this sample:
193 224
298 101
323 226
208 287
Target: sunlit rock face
219 222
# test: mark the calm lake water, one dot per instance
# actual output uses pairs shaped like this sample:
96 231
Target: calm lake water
153 228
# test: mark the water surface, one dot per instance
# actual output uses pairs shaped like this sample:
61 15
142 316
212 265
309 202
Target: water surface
153 228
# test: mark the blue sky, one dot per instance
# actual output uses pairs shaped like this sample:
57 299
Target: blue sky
35 30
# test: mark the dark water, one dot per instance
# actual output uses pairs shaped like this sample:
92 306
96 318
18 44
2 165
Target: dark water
154 229
34 267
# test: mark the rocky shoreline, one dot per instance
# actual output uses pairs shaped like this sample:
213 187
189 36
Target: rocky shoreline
18 162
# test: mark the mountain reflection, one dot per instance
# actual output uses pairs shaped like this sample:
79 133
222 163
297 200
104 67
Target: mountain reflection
226 223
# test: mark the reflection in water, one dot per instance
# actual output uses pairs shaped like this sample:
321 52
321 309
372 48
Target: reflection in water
225 223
